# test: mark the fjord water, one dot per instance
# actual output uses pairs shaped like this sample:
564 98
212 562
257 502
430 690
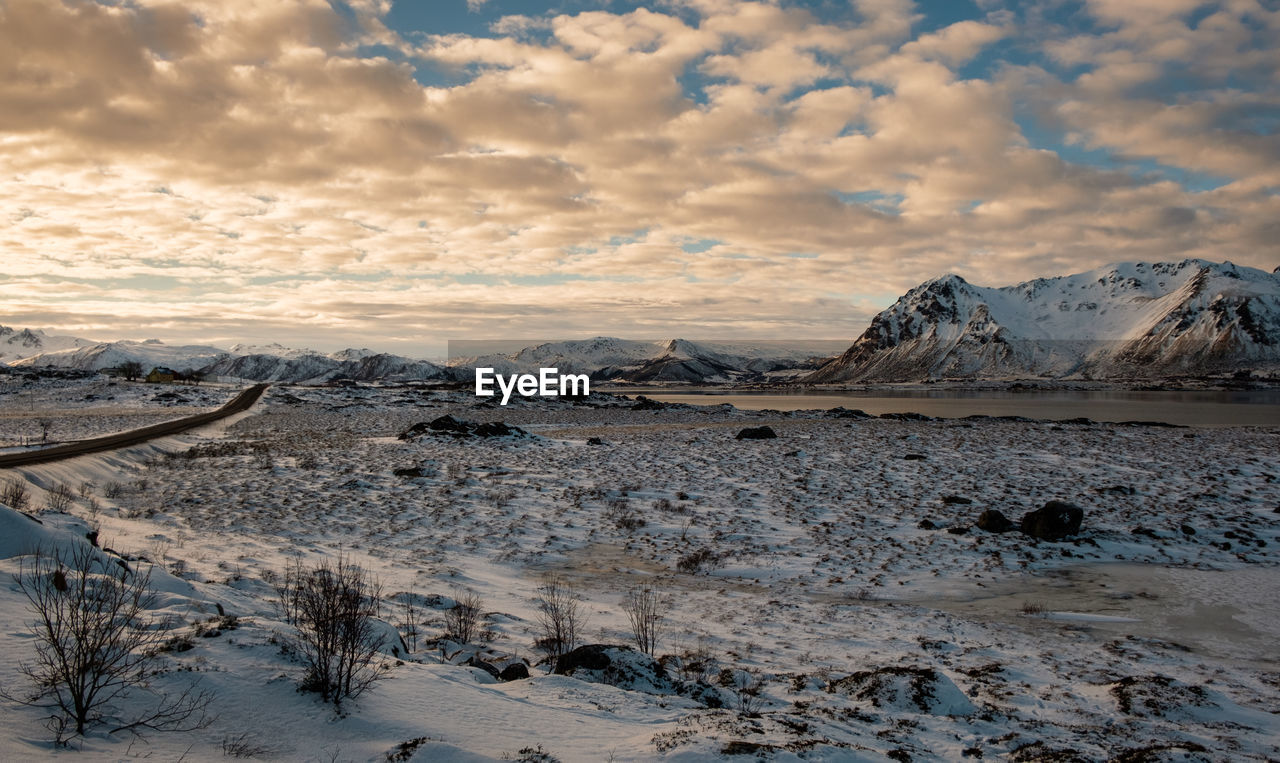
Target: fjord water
1201 408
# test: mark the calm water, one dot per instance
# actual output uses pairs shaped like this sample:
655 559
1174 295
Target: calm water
1195 409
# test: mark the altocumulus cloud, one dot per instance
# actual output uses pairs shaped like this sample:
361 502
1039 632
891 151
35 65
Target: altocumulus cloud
320 171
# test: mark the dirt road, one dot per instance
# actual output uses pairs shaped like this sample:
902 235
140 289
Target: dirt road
241 402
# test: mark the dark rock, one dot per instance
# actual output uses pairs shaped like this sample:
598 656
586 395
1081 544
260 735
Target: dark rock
1053 521
516 671
927 524
646 404
411 471
448 425
1147 531
740 747
906 416
615 665
476 662
756 433
840 412
958 530
951 500
914 457
994 521
594 441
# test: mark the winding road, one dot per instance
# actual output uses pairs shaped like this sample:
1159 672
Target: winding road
241 402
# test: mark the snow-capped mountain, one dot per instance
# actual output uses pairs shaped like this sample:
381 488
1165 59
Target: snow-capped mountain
150 353
672 360
1125 321
16 344
272 362
313 367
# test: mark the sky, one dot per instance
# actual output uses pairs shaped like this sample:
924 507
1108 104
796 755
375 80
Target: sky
392 175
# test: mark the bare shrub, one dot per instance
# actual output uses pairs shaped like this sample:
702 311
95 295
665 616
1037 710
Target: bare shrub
96 646
464 621
747 688
14 494
411 621
87 488
646 611
334 607
704 558
59 498
113 490
560 619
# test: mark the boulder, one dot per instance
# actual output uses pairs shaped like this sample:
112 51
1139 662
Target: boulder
994 521
914 457
448 425
476 662
1053 521
840 412
757 433
616 665
516 671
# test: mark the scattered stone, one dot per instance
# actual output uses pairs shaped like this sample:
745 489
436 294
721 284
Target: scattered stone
646 404
1054 521
594 441
914 457
840 412
516 671
994 521
952 500
927 524
448 425
615 665
958 530
476 662
411 472
756 433
906 416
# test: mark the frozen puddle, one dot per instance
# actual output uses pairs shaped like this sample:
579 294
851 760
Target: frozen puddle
1225 613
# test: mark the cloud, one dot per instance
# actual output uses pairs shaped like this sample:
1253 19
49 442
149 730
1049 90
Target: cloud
235 168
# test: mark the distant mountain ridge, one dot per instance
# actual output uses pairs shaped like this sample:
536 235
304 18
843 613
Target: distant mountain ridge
602 358
1124 321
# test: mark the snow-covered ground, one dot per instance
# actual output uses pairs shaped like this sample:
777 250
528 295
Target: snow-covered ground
822 564
75 409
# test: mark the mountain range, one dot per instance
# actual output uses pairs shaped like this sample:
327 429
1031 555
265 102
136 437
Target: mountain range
1126 321
1118 322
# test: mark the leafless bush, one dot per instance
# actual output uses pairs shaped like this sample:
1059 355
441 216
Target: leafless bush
410 621
704 558
334 607
464 621
560 619
96 647
747 687
646 611
14 494
113 489
245 746
59 498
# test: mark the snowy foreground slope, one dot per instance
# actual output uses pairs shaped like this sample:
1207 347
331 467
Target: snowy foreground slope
1125 321
840 578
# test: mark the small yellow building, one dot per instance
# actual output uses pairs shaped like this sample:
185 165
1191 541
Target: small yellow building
161 375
